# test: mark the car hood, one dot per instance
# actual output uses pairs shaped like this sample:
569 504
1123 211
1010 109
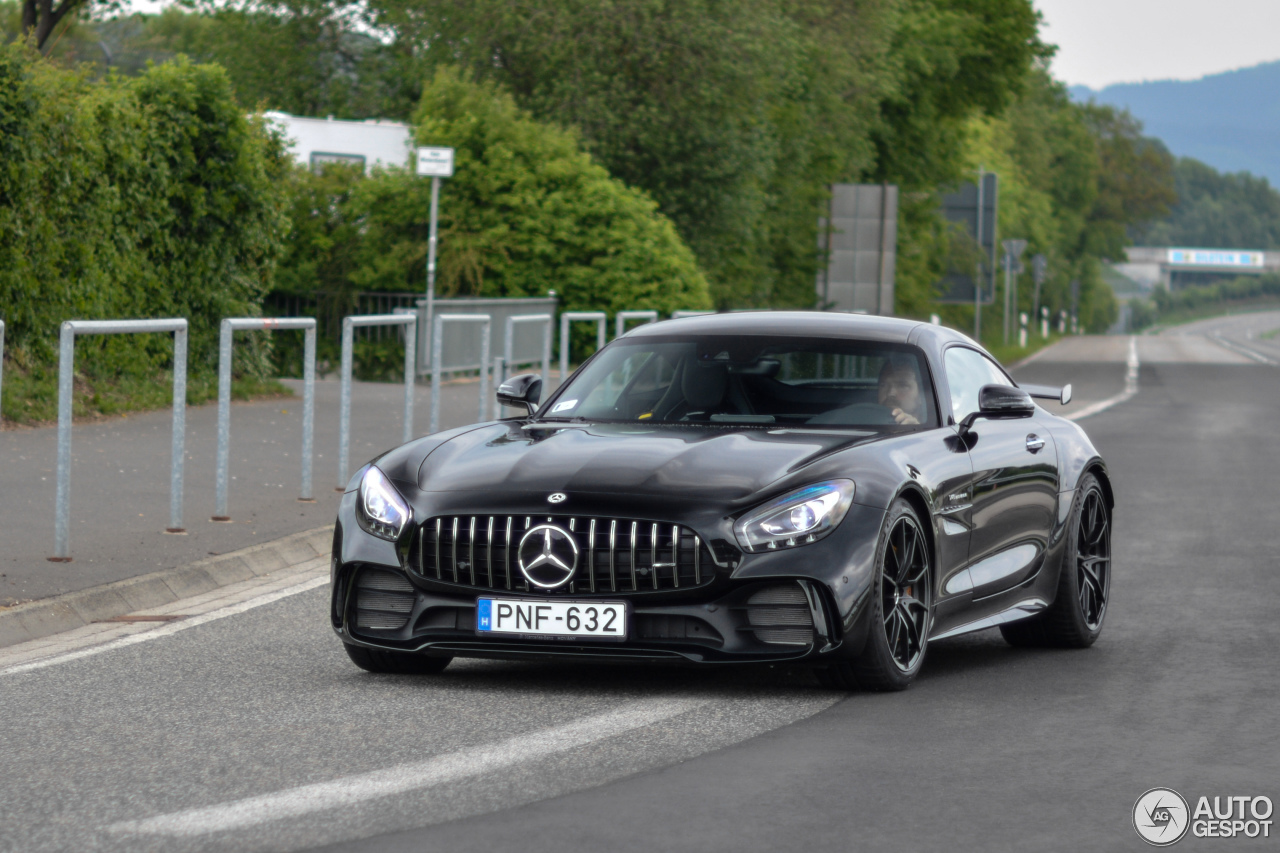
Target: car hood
689 462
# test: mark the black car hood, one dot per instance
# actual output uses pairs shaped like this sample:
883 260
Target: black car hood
689 462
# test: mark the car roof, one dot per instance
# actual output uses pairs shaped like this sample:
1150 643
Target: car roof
799 323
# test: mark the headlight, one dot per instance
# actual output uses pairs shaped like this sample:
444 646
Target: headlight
798 518
382 511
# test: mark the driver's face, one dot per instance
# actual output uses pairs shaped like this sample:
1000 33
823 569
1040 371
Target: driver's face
899 390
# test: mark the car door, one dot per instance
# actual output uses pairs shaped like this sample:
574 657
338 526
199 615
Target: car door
1014 492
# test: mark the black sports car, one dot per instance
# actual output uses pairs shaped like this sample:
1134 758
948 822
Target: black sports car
831 489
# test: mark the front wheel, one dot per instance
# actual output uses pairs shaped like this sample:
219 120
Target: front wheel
395 663
901 610
1074 620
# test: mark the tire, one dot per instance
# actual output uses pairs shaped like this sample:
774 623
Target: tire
1074 620
896 643
394 663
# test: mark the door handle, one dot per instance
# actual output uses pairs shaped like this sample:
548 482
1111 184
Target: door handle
1035 443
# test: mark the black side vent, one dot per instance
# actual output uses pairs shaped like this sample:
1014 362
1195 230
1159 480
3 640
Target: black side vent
384 600
780 615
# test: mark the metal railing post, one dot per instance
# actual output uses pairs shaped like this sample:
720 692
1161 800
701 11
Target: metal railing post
601 320
408 319
624 316
1 367
344 402
226 343
497 372
437 353
66 372
510 343
179 429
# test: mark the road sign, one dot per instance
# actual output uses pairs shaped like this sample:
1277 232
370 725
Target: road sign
435 162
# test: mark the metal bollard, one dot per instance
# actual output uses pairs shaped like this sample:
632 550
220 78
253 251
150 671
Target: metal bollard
226 332
623 316
66 371
1044 322
410 323
935 319
509 342
497 383
601 320
437 353
1022 330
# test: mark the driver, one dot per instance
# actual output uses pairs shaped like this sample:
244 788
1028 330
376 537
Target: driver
899 391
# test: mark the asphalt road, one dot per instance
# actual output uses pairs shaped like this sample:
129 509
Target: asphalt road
253 732
120 482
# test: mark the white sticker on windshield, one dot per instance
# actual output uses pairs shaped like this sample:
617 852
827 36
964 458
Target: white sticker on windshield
563 406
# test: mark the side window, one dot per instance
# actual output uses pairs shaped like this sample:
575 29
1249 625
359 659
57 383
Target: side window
967 371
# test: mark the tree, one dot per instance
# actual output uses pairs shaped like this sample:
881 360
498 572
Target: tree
1227 211
41 17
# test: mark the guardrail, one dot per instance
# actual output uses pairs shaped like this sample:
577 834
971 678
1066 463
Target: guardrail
66 370
598 317
509 358
349 324
623 316
437 346
226 334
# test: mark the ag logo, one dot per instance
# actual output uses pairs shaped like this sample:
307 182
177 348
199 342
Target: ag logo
557 498
1161 817
547 556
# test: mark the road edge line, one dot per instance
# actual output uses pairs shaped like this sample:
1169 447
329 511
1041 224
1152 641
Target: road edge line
58 614
1130 387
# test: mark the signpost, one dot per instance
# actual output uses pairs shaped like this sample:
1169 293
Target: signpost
434 163
1013 250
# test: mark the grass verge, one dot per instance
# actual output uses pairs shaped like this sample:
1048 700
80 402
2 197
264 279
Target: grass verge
1215 309
30 398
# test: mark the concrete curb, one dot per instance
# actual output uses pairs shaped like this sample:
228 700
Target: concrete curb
72 610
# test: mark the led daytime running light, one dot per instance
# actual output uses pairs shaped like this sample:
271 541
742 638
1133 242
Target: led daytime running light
384 513
798 518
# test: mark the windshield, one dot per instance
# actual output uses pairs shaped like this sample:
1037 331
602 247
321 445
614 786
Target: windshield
751 380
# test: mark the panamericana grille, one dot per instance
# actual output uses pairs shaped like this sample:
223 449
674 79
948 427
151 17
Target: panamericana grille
614 555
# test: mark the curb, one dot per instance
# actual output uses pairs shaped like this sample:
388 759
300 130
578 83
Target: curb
72 610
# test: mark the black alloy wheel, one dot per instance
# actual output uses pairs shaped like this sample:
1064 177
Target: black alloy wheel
1093 559
903 599
1074 620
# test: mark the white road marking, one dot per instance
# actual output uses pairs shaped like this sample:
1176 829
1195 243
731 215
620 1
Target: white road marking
1130 387
168 628
1218 339
441 769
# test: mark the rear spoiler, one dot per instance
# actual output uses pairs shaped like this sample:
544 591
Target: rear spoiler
1049 392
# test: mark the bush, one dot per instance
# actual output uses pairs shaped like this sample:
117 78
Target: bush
128 198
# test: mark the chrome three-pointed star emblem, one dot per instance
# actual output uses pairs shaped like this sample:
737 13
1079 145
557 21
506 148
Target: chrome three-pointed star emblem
547 556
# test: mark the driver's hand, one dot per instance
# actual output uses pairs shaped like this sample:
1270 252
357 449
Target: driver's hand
904 418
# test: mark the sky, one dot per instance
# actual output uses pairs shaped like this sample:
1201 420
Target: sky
1127 41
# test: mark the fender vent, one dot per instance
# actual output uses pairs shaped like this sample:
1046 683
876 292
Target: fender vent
780 615
384 600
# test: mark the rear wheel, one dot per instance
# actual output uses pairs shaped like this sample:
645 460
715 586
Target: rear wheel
901 611
1074 620
397 663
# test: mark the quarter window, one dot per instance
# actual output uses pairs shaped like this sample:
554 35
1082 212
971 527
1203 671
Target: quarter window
967 371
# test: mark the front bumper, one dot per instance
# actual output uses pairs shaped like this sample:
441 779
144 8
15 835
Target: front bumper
804 604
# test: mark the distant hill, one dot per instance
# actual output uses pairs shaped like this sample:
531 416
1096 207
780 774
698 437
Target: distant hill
1230 121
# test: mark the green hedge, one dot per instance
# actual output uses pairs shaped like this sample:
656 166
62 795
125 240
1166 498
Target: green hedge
527 211
151 196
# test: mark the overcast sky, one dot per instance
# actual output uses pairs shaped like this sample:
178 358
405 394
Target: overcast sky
1125 41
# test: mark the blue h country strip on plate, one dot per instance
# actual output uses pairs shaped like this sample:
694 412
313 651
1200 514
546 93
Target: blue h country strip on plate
484 609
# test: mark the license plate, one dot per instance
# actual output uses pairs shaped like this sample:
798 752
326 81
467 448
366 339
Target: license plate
596 620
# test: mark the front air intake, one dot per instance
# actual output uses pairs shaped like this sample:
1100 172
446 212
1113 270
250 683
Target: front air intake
384 600
780 615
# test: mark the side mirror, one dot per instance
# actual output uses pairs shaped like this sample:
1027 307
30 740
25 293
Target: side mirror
523 390
1000 402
